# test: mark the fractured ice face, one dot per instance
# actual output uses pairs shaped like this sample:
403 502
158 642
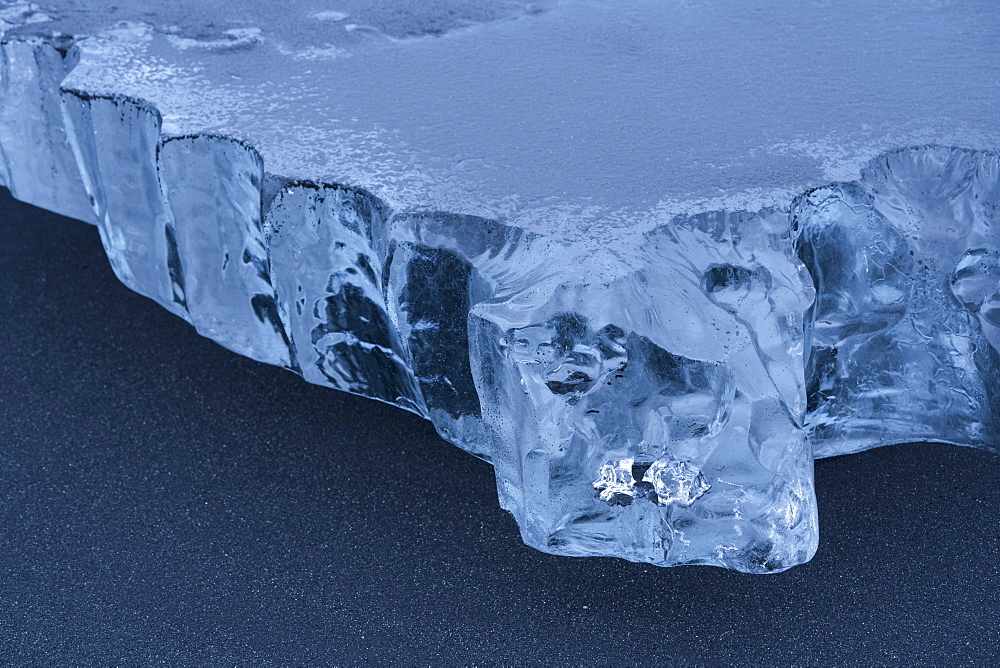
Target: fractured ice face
903 332
575 236
661 410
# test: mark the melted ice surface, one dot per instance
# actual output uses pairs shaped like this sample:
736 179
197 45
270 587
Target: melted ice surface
566 116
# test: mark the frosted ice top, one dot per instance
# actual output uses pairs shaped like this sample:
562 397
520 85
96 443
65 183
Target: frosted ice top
555 115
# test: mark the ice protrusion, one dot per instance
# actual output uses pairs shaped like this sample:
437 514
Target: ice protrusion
37 162
330 280
612 414
115 140
902 347
221 262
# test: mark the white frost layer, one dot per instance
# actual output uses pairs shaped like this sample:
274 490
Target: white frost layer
570 116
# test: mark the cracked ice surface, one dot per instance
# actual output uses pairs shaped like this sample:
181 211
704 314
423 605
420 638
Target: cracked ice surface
646 257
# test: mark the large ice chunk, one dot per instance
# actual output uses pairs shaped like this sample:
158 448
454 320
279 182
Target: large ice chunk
576 236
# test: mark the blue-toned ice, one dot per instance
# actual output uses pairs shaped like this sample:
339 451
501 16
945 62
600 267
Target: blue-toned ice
648 258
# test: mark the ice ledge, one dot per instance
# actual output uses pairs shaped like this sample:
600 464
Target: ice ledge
653 400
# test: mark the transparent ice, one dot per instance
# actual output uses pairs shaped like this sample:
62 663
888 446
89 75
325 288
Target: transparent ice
590 241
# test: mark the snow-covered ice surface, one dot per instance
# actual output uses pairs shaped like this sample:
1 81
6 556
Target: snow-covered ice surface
646 256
